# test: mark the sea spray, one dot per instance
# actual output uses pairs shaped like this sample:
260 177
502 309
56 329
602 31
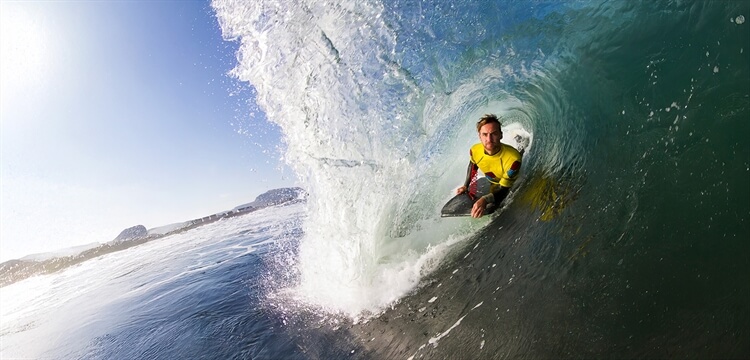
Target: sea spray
378 146
328 76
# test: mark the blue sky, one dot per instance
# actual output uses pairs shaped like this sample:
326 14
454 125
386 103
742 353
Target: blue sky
118 113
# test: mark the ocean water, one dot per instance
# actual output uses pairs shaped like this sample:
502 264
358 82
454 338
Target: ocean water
627 235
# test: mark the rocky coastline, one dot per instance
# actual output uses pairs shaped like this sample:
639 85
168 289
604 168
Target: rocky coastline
16 270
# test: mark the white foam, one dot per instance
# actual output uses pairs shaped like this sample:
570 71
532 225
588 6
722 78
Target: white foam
377 154
434 340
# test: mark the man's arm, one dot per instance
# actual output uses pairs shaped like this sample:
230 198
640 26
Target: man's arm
494 197
470 172
497 196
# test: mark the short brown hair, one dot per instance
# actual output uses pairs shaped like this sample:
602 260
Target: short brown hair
488 119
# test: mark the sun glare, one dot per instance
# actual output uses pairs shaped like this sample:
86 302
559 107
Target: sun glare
25 49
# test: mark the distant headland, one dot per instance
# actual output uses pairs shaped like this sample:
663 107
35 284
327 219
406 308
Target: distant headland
12 271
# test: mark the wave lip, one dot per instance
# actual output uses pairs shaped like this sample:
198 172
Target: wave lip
377 145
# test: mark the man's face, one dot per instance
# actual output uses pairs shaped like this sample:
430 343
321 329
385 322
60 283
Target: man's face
490 135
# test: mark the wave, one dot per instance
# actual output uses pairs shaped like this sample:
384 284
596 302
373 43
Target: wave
377 102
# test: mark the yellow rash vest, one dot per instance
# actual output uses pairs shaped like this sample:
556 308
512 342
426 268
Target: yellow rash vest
500 169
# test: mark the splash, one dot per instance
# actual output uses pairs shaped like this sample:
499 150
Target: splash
378 146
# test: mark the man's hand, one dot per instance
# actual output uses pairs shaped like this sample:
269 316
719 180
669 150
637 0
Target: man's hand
478 209
461 190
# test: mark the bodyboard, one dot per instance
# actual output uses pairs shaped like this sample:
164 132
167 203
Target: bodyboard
460 205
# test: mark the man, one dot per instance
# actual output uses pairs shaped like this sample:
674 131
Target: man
499 162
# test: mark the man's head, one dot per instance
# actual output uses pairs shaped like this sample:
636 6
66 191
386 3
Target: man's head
490 133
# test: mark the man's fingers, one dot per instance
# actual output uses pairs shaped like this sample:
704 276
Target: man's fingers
477 211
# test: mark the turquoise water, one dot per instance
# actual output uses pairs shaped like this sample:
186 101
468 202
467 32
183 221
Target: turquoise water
626 235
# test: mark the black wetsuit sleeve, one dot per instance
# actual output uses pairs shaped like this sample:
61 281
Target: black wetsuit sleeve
500 194
470 171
